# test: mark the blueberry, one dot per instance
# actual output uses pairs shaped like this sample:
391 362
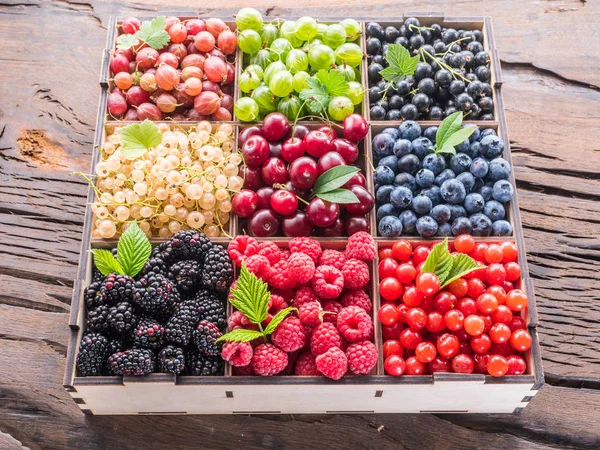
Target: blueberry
474 150
502 228
389 161
453 191
477 185
426 226
491 146
486 192
430 133
474 203
384 175
479 168
391 131
434 162
421 147
409 221
481 225
494 210
390 226
444 229
456 211
402 147
410 130
382 195
444 176
488 132
383 145
421 204
503 191
405 179
499 169
401 197
464 146
461 225
424 178
387 210
441 213
467 180
433 193
476 135
461 162
409 163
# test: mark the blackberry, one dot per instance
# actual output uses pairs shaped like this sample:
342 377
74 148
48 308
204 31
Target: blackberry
156 265
156 295
97 319
180 326
186 276
117 288
211 308
93 351
137 361
204 365
205 336
217 271
171 359
97 275
189 244
114 346
122 318
93 296
149 334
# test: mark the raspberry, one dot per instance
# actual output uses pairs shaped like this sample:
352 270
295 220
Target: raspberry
361 246
324 337
292 358
331 306
246 371
354 324
356 274
357 298
280 276
242 247
306 365
333 363
362 357
268 360
284 255
328 282
289 335
259 266
287 294
276 304
235 321
270 250
302 267
304 295
238 354
306 245
333 258
310 314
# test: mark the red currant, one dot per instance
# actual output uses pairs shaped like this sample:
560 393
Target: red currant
416 318
495 274
475 287
487 303
392 347
481 344
521 340
412 297
444 301
439 364
425 352
516 365
428 283
510 252
493 254
463 364
467 306
516 323
385 253
388 314
474 325
410 338
392 332
478 252
459 288
447 345
402 250
513 271
414 366
481 362
387 268
390 288
394 365
497 366
498 292
465 243
420 254
516 300
406 273
435 322
454 320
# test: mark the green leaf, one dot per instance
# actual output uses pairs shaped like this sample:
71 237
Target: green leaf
315 95
138 138
278 319
401 63
446 149
241 335
459 136
391 75
126 41
335 83
449 125
342 196
439 261
133 250
462 265
334 178
153 33
106 263
251 296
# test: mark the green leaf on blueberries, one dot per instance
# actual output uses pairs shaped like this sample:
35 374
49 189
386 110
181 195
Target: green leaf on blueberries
126 41
334 178
251 296
448 268
278 318
106 263
153 33
401 64
341 196
241 335
138 138
460 136
450 133
133 250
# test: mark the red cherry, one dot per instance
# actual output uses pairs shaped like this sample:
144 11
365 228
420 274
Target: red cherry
274 171
390 288
516 323
481 363
322 213
481 344
354 224
406 273
335 230
420 254
444 301
497 366
447 345
263 223
425 352
292 149
414 366
387 268
252 178
435 322
474 325
275 126
416 318
366 201
264 197
304 172
355 127
330 160
358 179
244 203
328 131
300 132
348 150
317 143
467 306
521 340
428 283
410 338
284 202
255 150
392 347
275 149
412 297
392 332
296 224
388 314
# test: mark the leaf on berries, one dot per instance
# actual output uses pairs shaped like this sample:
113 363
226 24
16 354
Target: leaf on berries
240 335
334 178
138 138
335 82
133 250
153 33
251 296
401 64
278 318
126 41
439 261
322 87
106 263
450 133
341 196
460 136
462 265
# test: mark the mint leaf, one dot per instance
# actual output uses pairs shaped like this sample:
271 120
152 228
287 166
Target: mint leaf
460 136
334 178
278 319
463 264
335 82
138 138
449 125
133 250
240 335
105 262
401 64
439 261
250 296
342 196
126 41
153 33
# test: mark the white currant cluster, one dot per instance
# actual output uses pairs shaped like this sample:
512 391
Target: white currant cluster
185 182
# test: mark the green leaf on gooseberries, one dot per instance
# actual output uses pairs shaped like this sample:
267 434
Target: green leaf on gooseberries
133 250
322 87
341 196
138 138
447 267
334 81
153 33
401 63
126 41
334 178
105 262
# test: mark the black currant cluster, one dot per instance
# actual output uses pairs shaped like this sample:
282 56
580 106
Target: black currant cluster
453 73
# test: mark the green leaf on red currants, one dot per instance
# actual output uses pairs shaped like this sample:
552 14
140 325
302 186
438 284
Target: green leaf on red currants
463 264
447 267
334 178
340 196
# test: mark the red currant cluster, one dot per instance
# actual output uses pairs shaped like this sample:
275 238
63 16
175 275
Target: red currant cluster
283 164
473 325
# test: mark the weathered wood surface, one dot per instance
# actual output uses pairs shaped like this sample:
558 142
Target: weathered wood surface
49 64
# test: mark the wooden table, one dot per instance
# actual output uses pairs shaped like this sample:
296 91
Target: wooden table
49 62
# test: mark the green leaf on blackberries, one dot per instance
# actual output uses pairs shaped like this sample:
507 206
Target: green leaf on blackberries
138 138
251 296
446 267
241 335
278 318
153 33
133 250
334 178
340 196
401 64
106 263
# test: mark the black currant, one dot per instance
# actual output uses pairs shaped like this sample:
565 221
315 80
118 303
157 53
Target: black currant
395 102
373 46
379 59
486 104
377 113
478 35
404 31
471 77
443 78
391 34
435 113
475 47
374 30
403 42
373 72
487 117
450 110
421 101
375 93
456 87
426 86
474 88
409 112
423 70
436 30
416 41
402 87
383 103
487 89
464 101
457 61
481 59
412 22
474 112
483 73
449 35
393 114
